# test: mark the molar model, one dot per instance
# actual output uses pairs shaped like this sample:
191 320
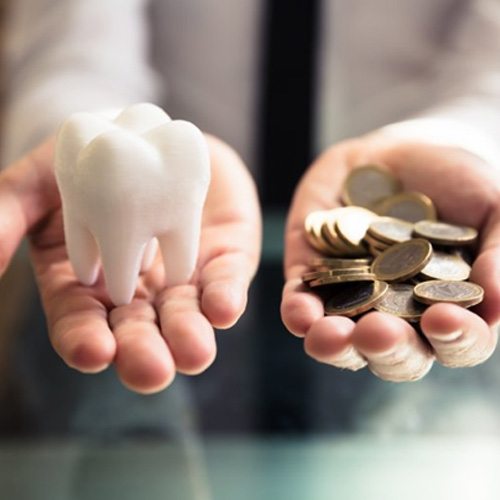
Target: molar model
124 183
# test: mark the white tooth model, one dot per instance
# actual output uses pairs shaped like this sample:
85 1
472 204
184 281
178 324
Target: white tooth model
124 183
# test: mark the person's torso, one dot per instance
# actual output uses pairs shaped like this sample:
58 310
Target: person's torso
375 59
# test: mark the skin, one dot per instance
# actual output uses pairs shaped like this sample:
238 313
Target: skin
465 191
163 331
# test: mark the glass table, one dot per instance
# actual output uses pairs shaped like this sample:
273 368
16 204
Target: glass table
316 468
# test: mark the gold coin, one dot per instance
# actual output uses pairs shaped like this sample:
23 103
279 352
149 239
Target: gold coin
462 293
374 242
336 246
408 206
444 266
330 237
403 260
313 275
339 262
329 243
312 224
375 251
368 184
390 230
329 225
399 300
343 278
442 233
351 225
351 299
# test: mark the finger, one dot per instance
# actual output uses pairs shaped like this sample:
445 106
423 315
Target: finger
77 319
224 283
231 238
143 361
187 331
459 337
392 347
317 190
299 307
28 193
329 341
486 273
486 270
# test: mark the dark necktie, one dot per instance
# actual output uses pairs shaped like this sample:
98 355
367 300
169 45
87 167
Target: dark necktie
287 105
285 138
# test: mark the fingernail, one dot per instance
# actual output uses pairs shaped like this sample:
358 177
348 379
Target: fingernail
446 337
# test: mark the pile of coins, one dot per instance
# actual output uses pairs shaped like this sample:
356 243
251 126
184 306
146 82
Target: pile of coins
386 250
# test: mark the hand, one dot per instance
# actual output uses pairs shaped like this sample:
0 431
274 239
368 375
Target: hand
163 330
465 191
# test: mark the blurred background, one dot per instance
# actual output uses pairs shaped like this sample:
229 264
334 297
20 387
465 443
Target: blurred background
265 421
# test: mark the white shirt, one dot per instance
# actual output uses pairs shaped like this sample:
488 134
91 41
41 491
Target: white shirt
380 62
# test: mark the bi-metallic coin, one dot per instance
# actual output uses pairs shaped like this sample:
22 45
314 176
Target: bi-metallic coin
403 260
351 299
352 223
462 293
442 233
368 184
445 266
390 230
408 206
399 301
339 262
343 278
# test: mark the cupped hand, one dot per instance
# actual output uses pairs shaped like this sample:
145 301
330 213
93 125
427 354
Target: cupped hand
465 191
163 330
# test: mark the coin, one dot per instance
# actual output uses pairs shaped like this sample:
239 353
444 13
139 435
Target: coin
329 242
444 266
462 293
371 241
312 225
442 233
390 230
368 184
408 206
313 275
351 299
331 280
407 244
337 247
399 300
403 260
375 251
339 262
330 237
352 223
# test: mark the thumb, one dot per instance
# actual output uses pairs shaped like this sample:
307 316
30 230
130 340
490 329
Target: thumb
28 194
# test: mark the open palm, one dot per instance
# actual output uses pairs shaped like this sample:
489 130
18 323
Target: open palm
163 330
465 191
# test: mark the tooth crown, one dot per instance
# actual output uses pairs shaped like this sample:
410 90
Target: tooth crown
124 182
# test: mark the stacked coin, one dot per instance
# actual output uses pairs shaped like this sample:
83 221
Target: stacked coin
386 251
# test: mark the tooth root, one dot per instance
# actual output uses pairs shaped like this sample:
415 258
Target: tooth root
82 251
121 262
179 249
149 255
